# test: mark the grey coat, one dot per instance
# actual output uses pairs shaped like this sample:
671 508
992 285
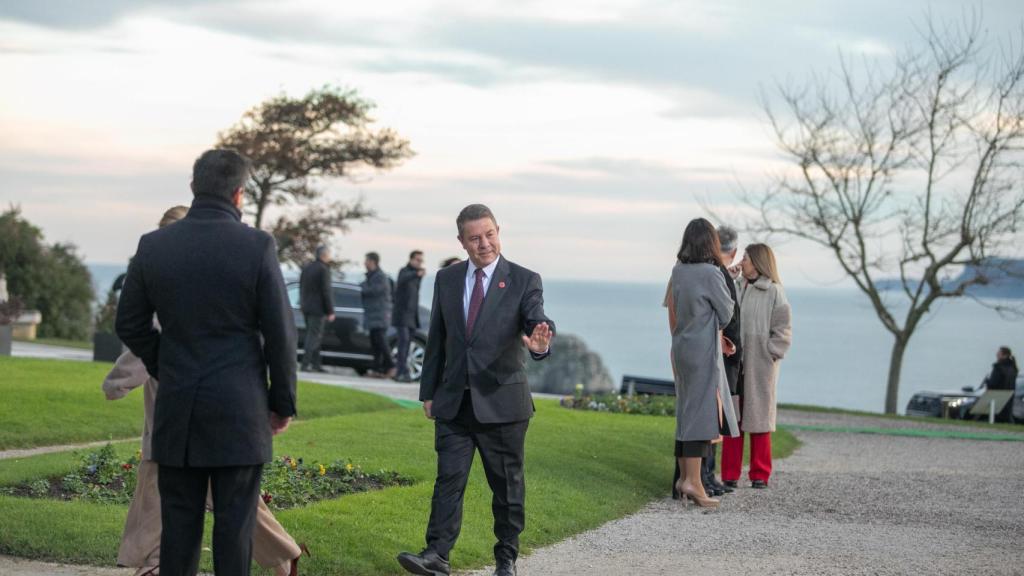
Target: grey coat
767 335
376 300
699 299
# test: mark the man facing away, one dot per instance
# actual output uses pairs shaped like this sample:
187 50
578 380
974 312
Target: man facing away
376 292
405 316
317 301
474 387
216 288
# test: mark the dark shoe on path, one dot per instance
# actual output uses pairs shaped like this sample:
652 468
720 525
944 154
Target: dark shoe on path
721 488
403 378
731 484
426 563
320 369
759 484
505 568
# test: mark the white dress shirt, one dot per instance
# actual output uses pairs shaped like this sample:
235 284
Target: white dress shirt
467 296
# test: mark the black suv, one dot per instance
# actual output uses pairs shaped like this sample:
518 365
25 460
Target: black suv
346 342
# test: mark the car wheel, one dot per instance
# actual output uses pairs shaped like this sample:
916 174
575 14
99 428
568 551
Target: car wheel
417 350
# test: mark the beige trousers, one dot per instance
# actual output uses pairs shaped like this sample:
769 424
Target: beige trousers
272 547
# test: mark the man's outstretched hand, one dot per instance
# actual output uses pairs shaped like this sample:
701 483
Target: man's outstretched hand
279 424
539 342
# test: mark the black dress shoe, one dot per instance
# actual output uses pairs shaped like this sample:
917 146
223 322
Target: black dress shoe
505 568
759 484
675 493
721 488
426 563
730 484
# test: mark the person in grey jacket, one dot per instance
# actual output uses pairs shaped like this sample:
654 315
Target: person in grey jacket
376 290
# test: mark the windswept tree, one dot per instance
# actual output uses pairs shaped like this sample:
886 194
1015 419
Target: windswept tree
908 169
295 144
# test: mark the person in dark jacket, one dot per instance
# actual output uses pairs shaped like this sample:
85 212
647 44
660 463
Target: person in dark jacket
405 316
376 291
216 288
486 315
1004 371
1004 377
317 306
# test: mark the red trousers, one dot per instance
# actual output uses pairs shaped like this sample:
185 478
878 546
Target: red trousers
760 457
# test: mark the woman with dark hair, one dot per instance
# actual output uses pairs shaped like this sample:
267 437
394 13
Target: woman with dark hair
766 332
1004 371
699 308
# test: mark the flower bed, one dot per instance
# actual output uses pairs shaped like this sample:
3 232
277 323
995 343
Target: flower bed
617 403
287 482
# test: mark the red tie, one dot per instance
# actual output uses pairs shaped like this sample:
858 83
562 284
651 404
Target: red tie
476 300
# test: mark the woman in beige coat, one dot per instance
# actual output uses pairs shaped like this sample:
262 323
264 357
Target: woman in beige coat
765 324
272 547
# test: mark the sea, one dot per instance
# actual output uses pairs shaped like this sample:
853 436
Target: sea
840 353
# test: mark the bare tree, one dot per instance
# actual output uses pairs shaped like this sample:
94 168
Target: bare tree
296 142
911 169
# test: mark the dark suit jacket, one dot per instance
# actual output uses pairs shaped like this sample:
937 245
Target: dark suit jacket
491 360
406 310
216 287
732 332
315 292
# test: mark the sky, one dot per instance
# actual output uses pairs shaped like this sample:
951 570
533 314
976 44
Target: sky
594 129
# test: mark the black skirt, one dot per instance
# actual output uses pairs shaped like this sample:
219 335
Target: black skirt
693 448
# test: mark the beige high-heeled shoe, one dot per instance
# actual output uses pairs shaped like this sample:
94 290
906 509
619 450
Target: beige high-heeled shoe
702 501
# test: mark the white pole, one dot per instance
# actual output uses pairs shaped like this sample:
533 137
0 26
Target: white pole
992 411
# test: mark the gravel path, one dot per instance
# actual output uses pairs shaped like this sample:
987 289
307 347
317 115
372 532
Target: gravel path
842 504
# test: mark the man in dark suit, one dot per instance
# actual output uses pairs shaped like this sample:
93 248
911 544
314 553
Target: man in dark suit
485 312
405 314
216 288
317 301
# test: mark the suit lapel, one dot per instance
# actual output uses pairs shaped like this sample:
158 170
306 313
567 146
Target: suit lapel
495 291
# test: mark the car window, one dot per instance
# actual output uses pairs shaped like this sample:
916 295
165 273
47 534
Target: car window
347 298
293 296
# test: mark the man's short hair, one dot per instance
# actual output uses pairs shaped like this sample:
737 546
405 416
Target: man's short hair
474 212
320 250
415 253
373 257
219 172
728 237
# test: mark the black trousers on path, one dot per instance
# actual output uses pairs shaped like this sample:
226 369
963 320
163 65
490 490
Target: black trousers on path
501 449
382 360
314 340
183 509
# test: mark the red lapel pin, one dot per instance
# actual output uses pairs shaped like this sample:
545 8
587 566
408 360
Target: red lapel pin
501 284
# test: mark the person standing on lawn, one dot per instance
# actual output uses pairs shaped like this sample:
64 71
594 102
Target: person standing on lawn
474 386
215 285
405 316
376 291
272 547
767 336
317 300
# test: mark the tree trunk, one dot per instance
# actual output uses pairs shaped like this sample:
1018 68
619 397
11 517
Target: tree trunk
892 390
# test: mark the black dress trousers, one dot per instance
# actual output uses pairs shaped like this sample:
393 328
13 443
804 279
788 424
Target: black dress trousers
501 449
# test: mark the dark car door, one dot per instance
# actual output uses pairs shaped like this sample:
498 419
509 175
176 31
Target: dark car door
349 339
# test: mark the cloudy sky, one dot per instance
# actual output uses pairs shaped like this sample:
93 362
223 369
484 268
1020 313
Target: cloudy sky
594 129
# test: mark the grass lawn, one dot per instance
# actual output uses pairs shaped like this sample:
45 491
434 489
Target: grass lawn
50 402
582 469
1001 426
63 342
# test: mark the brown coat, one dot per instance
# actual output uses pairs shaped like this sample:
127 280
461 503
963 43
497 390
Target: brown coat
765 319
